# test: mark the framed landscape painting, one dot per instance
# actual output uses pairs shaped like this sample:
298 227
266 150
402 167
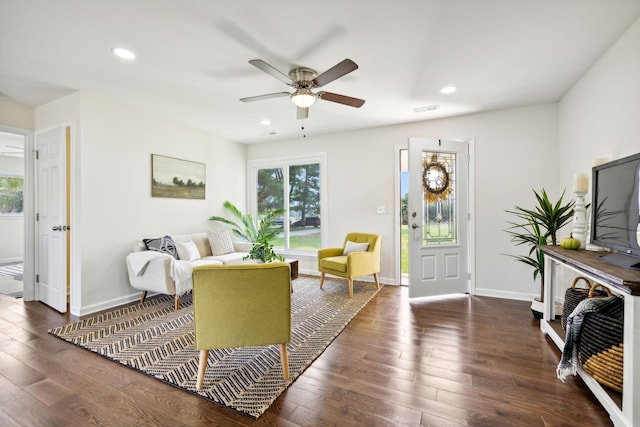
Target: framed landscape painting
176 178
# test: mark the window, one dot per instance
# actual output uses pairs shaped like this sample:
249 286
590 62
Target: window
439 198
11 195
294 186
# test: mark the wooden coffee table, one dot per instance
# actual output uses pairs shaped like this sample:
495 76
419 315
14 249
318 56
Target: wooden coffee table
294 268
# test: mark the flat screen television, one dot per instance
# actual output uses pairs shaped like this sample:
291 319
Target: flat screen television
615 210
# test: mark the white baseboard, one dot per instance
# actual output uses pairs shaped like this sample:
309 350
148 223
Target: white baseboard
105 305
505 294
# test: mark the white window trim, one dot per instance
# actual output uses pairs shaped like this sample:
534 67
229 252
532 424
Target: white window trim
252 200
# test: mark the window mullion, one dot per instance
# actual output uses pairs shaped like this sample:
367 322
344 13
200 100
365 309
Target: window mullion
287 223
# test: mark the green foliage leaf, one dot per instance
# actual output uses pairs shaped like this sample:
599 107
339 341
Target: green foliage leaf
244 226
535 227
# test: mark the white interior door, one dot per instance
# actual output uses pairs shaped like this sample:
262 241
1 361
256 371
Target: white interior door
438 217
51 217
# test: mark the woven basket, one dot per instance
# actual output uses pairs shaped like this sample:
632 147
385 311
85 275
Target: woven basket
601 349
573 296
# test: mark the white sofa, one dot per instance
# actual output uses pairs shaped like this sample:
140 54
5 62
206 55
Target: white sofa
169 272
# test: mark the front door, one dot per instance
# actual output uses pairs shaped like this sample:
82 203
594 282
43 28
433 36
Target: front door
438 217
51 217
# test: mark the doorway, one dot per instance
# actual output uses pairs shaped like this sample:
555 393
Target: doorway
446 258
12 218
403 232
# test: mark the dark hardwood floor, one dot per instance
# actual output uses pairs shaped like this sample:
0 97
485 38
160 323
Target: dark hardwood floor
472 361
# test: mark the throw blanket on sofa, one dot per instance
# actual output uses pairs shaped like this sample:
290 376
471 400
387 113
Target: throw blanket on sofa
181 274
612 306
180 271
140 260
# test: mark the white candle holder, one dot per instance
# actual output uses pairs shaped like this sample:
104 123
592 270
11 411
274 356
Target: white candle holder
579 230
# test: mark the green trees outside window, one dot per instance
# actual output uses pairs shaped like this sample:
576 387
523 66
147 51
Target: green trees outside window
300 200
11 195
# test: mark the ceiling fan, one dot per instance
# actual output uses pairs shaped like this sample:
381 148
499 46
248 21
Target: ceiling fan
304 80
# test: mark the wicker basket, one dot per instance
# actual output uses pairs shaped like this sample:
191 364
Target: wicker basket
573 296
601 349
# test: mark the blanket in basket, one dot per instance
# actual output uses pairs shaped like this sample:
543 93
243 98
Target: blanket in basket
612 306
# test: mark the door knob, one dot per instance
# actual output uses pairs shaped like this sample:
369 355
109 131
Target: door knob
57 228
414 225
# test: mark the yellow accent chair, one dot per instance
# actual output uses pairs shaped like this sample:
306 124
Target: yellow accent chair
241 305
358 256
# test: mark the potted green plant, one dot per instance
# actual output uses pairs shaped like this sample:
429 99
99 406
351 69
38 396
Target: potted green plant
260 235
535 227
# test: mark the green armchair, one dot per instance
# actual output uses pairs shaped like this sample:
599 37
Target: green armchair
358 256
241 305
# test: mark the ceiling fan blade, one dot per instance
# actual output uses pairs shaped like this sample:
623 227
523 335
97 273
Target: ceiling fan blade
341 99
263 66
267 96
335 72
16 147
302 113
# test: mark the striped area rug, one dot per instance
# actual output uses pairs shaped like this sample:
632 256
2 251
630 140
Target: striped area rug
158 341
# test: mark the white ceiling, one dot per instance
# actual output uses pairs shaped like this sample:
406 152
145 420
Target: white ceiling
192 56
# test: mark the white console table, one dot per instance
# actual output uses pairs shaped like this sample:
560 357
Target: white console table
623 408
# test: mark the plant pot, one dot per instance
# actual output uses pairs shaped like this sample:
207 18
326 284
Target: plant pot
537 308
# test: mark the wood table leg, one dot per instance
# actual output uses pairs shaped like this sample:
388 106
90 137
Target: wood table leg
284 360
204 357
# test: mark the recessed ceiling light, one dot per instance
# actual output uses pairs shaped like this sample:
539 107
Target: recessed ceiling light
448 89
123 53
265 122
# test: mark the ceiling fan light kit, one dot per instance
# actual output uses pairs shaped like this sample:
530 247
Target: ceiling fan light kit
303 98
303 80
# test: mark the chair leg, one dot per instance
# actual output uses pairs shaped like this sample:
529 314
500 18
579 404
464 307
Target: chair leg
176 303
375 277
321 280
350 288
284 360
204 356
143 296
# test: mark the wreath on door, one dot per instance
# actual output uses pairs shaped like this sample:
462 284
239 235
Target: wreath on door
435 180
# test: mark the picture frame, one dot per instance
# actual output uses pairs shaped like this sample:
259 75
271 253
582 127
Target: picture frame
177 178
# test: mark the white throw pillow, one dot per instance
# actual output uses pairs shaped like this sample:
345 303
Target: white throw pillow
354 247
187 250
220 242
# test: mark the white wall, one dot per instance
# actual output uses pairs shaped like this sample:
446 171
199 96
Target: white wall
112 146
516 151
600 116
12 227
15 115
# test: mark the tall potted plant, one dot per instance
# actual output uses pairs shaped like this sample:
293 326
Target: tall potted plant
536 227
259 235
